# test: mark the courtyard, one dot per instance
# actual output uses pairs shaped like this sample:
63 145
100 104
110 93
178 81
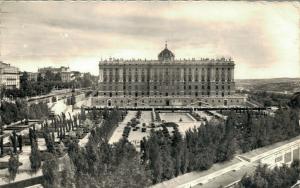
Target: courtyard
140 126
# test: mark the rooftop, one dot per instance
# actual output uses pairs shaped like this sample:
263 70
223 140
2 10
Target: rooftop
192 176
166 56
229 177
179 62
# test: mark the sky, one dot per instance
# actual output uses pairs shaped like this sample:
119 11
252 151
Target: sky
261 37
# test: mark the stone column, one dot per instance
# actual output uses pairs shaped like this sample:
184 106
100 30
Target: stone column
133 75
193 74
139 75
120 74
229 75
150 75
107 75
126 75
113 75
100 75
199 73
213 76
181 75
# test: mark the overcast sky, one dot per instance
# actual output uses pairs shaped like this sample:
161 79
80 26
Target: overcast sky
262 38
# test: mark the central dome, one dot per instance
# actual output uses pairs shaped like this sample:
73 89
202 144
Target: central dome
166 55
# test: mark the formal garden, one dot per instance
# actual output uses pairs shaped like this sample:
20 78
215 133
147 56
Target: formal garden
53 150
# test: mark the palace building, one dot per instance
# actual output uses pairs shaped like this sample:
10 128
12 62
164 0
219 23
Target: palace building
166 82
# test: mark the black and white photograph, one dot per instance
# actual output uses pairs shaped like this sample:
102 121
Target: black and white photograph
158 94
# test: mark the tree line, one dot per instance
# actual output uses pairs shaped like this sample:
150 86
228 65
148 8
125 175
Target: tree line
168 155
279 177
44 84
19 110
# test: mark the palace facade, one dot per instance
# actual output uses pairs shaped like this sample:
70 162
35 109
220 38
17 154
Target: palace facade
166 82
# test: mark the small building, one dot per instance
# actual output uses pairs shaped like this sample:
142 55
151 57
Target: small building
64 72
9 76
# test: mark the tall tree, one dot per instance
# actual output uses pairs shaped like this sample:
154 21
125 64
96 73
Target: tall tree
35 157
13 166
50 171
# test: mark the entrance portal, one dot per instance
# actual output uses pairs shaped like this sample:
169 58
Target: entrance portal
109 102
167 102
225 102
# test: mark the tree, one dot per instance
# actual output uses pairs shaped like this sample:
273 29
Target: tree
14 141
39 77
68 173
13 166
57 77
35 157
20 141
129 174
50 171
1 146
49 141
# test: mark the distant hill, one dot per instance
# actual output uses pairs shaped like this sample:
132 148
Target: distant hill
290 85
